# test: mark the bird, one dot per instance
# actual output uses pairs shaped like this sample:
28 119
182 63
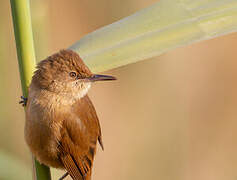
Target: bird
62 128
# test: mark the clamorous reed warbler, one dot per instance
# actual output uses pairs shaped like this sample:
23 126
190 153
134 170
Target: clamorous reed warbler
62 127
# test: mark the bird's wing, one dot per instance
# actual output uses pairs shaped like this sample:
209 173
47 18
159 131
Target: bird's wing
90 109
70 164
79 134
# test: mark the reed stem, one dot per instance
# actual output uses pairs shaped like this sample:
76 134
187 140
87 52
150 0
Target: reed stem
26 60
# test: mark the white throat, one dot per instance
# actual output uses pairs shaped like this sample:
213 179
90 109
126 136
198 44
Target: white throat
57 99
68 98
84 90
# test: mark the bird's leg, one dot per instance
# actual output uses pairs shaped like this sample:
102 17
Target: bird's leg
23 101
65 175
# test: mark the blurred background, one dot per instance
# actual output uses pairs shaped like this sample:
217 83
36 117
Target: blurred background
172 117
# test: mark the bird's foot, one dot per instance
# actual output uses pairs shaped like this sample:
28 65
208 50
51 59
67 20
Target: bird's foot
65 175
23 101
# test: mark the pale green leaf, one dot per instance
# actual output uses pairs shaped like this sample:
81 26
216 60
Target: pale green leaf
161 27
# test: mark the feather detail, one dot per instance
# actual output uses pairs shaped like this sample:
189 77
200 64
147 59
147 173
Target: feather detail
70 165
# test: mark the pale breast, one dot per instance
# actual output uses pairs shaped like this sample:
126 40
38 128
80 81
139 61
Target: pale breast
42 131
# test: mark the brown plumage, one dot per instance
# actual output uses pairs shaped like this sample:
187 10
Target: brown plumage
62 127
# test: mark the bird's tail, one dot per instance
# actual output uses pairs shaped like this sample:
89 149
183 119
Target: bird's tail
78 170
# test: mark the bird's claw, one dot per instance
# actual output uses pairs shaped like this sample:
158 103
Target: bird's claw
23 101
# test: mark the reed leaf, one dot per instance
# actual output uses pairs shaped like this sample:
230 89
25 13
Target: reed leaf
152 31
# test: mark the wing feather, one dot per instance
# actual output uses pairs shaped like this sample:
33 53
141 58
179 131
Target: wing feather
78 139
71 166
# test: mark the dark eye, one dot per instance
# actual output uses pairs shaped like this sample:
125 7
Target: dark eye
73 74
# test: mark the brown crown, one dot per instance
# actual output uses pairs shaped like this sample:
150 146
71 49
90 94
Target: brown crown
65 60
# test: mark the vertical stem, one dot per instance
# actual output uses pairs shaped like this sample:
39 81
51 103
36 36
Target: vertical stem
41 172
26 59
24 41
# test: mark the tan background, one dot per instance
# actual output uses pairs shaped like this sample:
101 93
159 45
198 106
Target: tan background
172 117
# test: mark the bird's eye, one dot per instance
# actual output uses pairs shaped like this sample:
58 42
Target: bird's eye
73 74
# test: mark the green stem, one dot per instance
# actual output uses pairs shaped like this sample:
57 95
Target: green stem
26 59
42 172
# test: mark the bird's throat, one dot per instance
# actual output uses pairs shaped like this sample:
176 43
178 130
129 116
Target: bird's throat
52 99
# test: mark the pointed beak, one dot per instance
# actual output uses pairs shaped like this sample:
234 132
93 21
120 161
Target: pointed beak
99 77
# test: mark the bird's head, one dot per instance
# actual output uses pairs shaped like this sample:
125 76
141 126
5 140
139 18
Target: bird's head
65 73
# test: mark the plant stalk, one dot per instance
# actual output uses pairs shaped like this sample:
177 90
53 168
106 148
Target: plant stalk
26 60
